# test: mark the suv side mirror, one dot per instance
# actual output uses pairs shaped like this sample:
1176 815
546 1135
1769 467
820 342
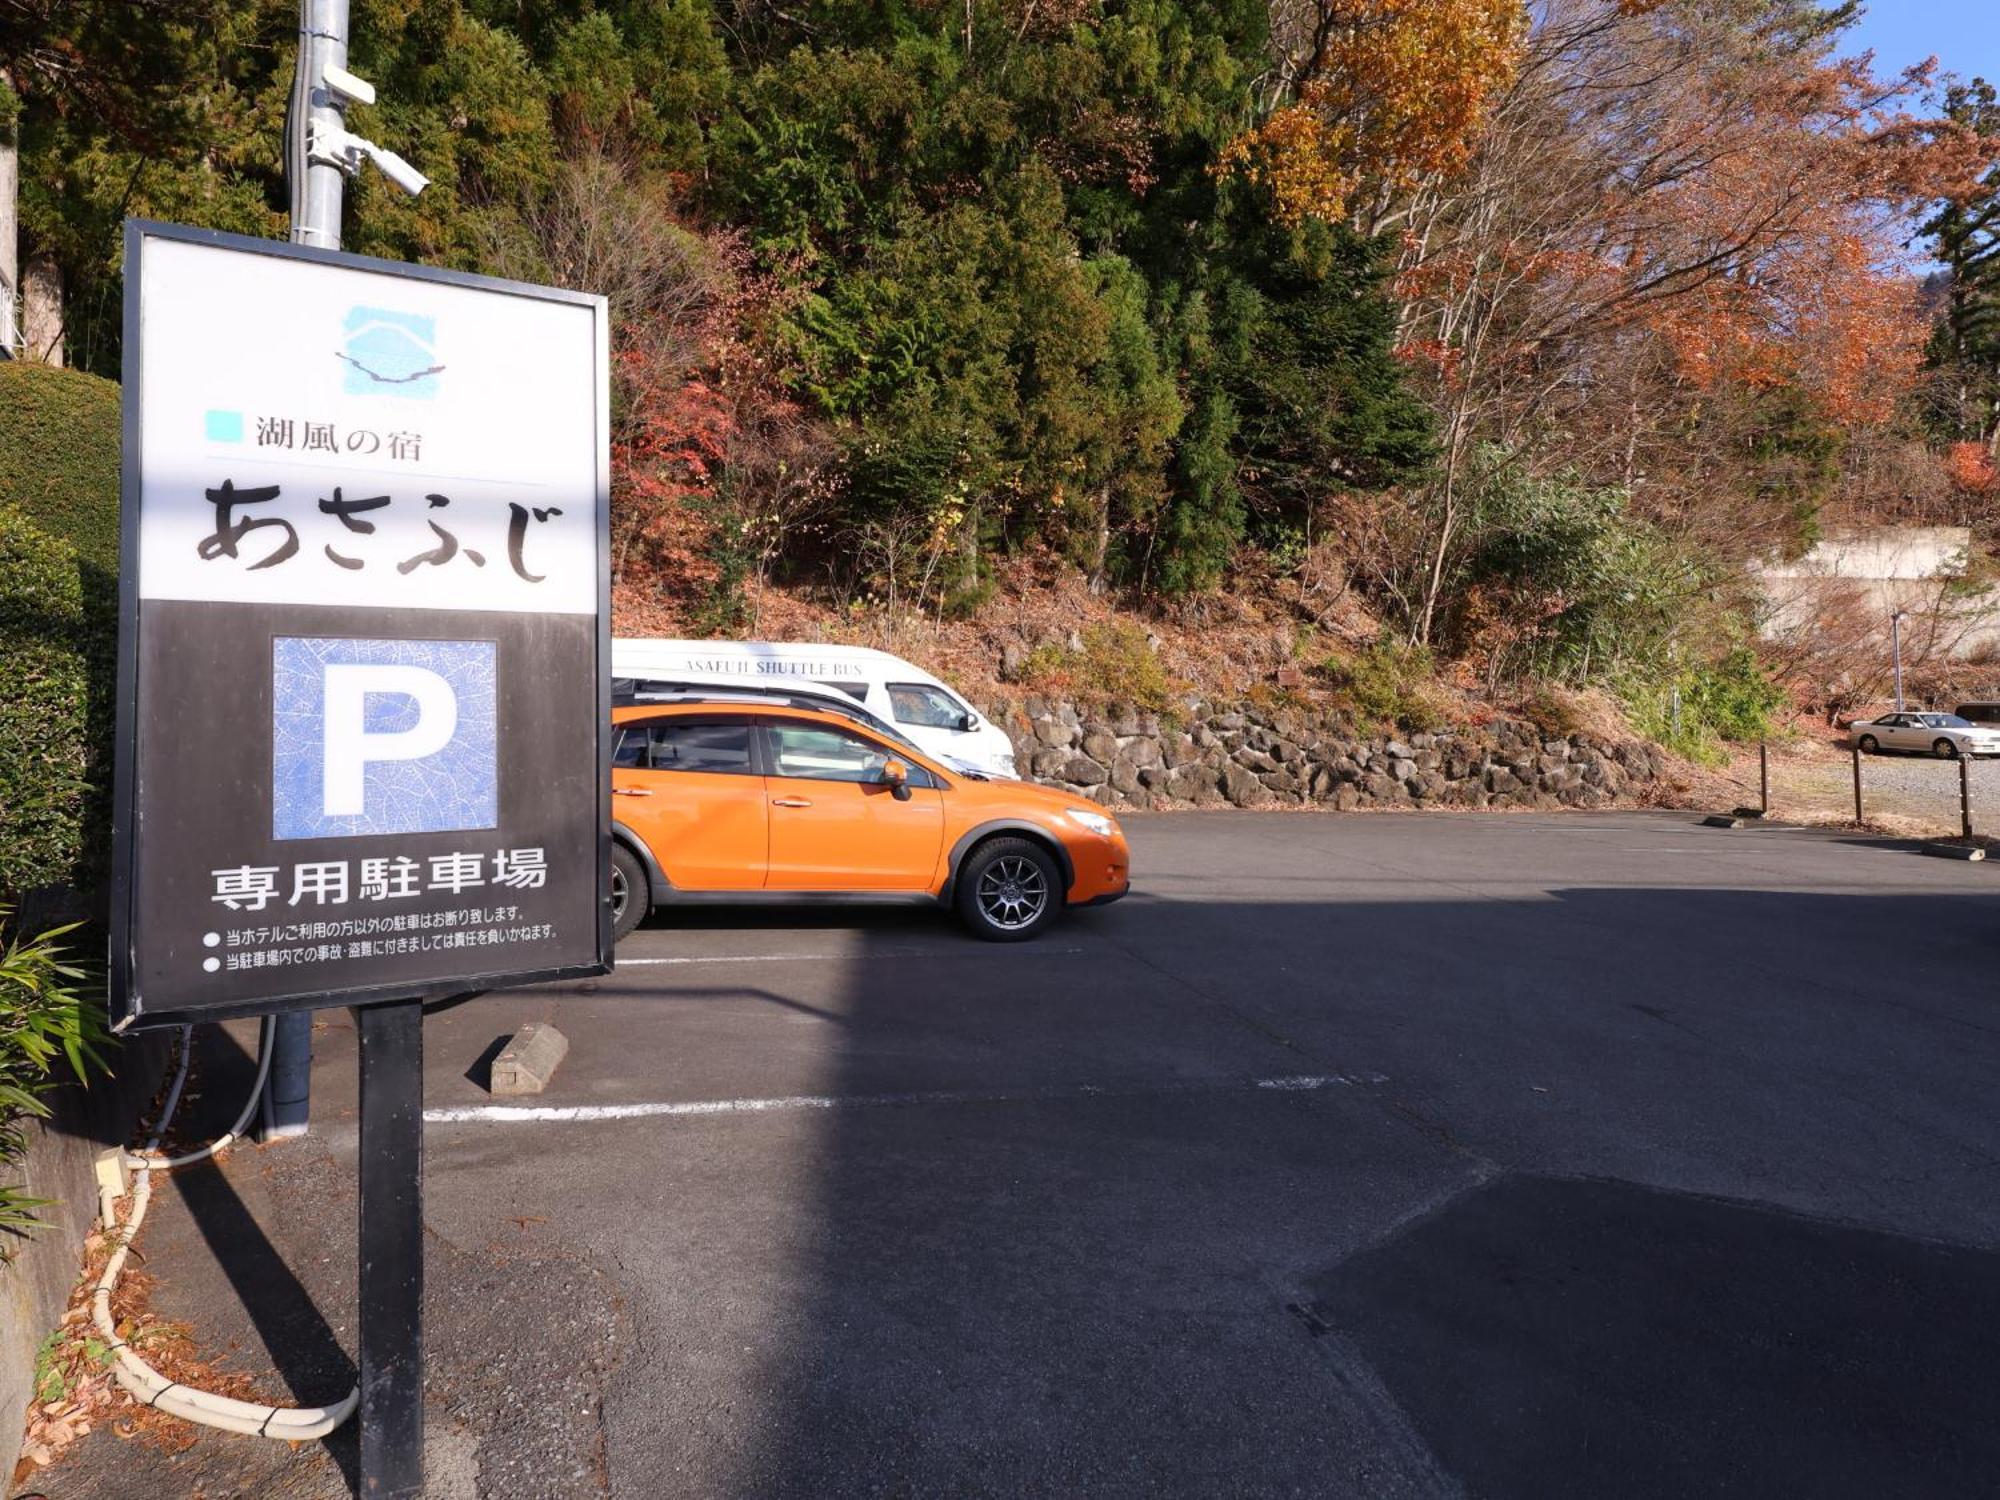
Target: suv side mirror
896 777
967 722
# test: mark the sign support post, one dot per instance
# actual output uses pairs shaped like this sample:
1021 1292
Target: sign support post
392 1248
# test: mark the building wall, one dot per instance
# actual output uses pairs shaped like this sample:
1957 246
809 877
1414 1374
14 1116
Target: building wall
1876 572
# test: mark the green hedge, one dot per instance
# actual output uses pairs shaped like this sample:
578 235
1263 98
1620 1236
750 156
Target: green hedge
59 440
58 630
59 444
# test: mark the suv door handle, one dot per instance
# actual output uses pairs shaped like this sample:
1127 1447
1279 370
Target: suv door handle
790 802
629 791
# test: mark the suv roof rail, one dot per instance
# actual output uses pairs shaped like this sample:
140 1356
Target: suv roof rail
694 690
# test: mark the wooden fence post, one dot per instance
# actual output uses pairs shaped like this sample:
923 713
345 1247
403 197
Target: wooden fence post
1965 794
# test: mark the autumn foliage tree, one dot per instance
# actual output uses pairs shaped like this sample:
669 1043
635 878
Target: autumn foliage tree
1670 264
1369 99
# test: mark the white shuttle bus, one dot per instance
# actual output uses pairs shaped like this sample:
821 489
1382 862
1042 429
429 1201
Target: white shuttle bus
933 716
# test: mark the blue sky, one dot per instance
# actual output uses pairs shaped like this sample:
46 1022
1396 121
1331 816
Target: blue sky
1963 34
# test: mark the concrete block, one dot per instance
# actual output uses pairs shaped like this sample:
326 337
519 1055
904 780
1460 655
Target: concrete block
1955 851
527 1063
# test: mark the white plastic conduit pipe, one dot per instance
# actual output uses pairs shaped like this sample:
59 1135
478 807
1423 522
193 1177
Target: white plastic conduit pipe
290 1423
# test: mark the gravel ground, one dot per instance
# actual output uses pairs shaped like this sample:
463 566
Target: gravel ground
1914 794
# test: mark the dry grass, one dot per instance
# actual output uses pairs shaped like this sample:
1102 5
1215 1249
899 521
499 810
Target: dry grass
1046 622
74 1389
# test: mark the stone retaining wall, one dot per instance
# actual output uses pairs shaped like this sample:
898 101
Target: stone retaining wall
1248 757
59 1164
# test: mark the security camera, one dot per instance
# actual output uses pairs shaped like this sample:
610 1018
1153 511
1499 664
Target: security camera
345 87
344 149
397 170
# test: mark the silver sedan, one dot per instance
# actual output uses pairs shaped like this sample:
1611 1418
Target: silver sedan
1946 736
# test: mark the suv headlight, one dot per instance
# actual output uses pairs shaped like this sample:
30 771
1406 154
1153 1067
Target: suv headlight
1097 822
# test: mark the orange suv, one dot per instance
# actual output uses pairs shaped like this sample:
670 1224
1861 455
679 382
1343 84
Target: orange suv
739 800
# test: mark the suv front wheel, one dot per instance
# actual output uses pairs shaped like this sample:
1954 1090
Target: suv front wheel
1009 890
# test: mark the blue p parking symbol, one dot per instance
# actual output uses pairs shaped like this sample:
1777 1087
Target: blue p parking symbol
373 737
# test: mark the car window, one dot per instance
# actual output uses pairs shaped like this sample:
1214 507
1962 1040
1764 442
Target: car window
631 751
858 691
822 754
694 745
926 707
1950 721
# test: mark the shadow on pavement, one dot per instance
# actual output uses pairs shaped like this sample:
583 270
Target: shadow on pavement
301 1345
1102 1295
1596 1338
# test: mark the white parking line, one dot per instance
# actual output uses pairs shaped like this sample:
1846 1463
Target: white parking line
871 954
521 1114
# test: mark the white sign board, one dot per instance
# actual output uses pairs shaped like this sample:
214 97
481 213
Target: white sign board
363 640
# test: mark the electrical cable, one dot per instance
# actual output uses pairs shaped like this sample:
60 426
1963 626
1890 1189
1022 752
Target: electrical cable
290 1423
298 114
266 1047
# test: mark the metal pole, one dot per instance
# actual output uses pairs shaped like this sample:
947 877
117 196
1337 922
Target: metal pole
1896 652
1965 793
316 202
392 1249
288 1093
1857 785
1764 778
317 189
391 1146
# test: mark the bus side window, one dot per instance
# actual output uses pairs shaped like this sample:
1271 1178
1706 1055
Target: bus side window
926 707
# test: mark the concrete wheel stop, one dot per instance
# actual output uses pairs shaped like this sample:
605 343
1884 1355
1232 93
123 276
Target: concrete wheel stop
527 1063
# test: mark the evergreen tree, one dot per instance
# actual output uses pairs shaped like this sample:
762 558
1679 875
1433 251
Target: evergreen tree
991 245
1965 234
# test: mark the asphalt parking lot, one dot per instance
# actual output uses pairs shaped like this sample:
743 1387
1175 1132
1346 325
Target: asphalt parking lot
1510 1156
